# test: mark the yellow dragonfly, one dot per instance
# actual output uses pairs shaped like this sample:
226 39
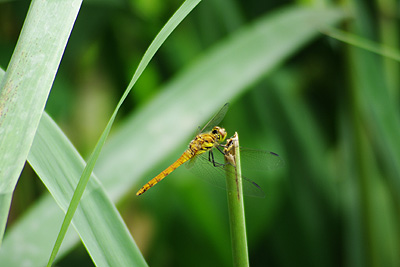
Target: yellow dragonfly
209 165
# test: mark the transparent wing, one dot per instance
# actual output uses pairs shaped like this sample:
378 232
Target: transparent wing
216 119
203 168
259 160
191 163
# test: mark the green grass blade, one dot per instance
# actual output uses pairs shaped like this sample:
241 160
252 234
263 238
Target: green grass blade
97 220
363 43
38 234
377 109
25 87
177 18
236 205
224 72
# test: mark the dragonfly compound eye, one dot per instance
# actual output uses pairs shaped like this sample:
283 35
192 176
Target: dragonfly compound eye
221 133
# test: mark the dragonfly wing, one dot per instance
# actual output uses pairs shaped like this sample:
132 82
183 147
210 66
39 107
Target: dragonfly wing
203 168
191 162
259 160
216 119
251 188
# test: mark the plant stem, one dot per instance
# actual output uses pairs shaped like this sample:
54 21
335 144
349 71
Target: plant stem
235 203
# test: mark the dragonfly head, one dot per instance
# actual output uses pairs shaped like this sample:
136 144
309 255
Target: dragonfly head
219 132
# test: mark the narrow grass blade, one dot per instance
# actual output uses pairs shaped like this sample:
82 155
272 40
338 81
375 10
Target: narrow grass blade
26 86
357 41
97 220
180 14
235 203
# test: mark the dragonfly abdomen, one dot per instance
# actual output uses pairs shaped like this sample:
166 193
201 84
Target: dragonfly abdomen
182 159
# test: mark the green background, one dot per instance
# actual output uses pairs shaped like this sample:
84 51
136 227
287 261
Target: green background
330 110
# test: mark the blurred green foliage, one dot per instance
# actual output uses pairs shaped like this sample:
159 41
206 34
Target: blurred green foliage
331 112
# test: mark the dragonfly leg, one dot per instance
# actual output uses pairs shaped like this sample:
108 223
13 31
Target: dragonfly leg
212 160
220 149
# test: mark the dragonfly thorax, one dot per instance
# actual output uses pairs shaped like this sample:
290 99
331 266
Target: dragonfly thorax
205 141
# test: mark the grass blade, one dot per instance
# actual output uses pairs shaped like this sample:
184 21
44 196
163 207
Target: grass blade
97 221
375 106
25 87
236 204
355 40
181 13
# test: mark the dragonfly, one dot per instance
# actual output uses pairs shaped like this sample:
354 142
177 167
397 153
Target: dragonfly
205 154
